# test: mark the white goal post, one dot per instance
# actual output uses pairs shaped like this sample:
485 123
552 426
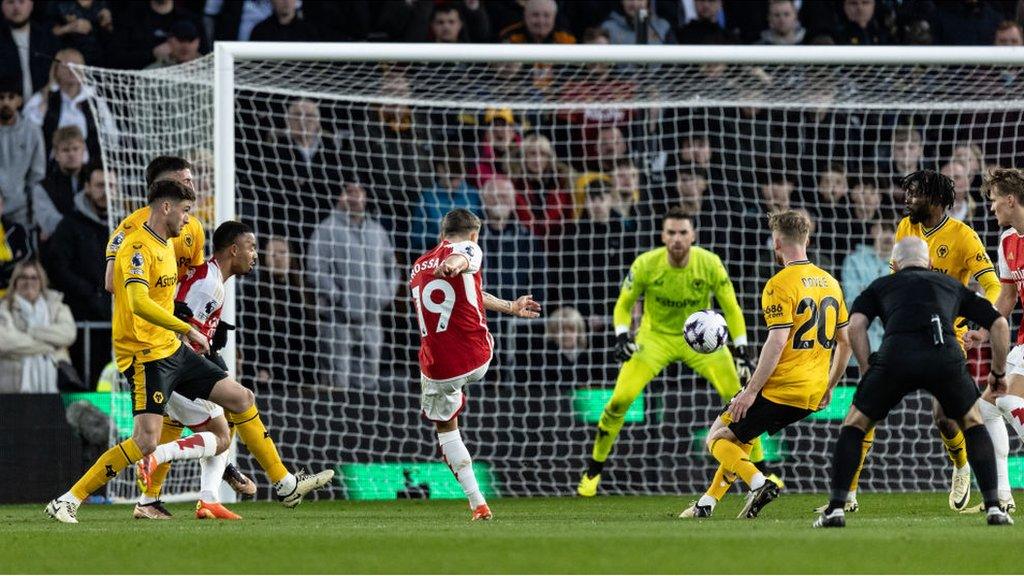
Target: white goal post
752 119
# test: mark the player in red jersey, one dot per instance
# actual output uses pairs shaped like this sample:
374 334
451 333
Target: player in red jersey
199 301
455 344
1005 188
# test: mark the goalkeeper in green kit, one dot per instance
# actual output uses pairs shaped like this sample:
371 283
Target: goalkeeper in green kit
674 281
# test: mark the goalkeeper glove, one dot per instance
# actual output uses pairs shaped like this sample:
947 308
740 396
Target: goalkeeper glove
220 337
745 362
624 347
182 311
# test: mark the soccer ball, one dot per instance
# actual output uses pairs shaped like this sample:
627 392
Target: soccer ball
705 331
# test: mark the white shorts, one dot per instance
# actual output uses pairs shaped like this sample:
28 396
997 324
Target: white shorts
192 413
442 401
1015 360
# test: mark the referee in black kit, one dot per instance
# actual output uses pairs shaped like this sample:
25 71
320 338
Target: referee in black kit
919 351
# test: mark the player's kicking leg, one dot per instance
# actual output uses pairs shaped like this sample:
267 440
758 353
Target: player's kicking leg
442 402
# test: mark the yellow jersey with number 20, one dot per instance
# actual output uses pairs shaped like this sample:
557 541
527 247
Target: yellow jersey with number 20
808 302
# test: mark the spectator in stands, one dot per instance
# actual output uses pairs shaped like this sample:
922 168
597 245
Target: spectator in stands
26 47
593 260
23 165
537 26
302 188
1009 33
568 359
623 25
964 208
972 157
64 102
859 26
64 179
451 190
868 261
784 27
277 311
425 21
499 144
965 23
148 38
906 155
351 264
14 246
37 329
513 255
85 25
234 20
776 194
183 45
831 209
74 255
695 149
543 201
391 155
608 147
625 182
866 207
287 24
707 27
74 258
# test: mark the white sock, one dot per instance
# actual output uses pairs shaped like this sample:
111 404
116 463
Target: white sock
69 497
706 500
211 475
147 499
1007 406
757 481
198 445
851 496
996 427
286 485
457 457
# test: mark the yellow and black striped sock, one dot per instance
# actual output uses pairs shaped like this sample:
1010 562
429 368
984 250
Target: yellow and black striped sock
253 433
107 466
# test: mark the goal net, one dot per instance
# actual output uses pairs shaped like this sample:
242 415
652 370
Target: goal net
344 168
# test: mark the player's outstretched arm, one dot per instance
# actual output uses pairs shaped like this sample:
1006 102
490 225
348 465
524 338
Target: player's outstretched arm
859 340
523 307
108 277
453 265
144 307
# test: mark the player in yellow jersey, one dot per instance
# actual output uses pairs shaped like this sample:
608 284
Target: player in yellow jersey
955 250
802 360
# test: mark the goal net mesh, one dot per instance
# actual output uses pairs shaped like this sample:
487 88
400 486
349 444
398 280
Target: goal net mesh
344 169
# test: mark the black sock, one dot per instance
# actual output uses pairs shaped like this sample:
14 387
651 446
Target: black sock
594 468
982 458
844 464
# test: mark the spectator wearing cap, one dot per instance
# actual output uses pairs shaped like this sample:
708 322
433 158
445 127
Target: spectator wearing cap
623 25
498 146
784 27
26 47
63 177
65 103
965 23
860 25
14 246
83 25
148 39
707 27
183 43
450 190
23 164
286 24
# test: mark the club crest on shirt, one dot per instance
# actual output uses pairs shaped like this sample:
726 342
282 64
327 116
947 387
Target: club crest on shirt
116 241
137 260
698 283
943 251
210 307
188 240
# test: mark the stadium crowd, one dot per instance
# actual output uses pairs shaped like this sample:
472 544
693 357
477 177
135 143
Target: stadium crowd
344 198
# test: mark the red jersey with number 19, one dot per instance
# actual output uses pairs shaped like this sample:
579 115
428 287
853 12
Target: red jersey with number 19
454 340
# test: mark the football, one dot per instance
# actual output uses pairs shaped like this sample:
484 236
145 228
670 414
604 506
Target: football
705 331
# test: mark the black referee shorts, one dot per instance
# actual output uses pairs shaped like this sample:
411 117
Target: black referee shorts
764 416
884 386
184 372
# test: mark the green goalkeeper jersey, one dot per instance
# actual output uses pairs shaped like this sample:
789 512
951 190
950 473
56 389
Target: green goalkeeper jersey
671 294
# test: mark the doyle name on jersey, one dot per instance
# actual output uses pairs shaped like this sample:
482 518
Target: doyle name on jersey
454 339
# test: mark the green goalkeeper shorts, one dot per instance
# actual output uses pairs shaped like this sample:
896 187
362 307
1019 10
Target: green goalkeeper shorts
658 350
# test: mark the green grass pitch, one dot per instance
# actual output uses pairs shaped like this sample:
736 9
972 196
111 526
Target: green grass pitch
895 533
